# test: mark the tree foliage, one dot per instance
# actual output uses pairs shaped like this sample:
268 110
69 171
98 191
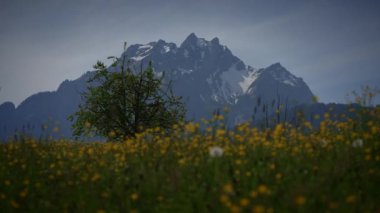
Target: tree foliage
119 104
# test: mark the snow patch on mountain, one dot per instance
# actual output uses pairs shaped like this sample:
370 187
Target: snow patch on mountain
185 71
142 52
281 75
232 78
166 49
159 74
225 86
285 77
202 42
248 80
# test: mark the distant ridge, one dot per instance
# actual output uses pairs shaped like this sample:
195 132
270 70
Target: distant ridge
205 73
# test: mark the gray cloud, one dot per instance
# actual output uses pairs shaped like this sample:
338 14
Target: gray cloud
332 45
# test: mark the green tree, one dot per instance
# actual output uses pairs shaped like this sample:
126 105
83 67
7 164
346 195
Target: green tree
119 104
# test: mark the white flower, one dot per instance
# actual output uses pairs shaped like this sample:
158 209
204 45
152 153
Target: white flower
215 151
357 143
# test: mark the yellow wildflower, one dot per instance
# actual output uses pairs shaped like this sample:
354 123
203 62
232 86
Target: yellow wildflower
262 189
258 209
351 199
300 200
134 196
253 194
228 188
14 204
224 199
244 202
24 193
95 177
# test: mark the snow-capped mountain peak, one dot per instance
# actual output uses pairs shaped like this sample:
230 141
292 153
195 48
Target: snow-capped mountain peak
193 42
225 77
139 52
276 81
281 75
204 72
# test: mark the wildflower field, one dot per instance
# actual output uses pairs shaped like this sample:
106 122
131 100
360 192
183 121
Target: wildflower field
332 168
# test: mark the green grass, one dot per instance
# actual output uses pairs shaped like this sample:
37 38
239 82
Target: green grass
280 170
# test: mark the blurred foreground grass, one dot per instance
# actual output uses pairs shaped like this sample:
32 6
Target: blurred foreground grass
335 168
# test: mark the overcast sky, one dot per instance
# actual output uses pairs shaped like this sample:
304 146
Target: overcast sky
334 45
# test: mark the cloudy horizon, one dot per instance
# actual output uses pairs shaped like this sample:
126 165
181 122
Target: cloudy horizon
333 45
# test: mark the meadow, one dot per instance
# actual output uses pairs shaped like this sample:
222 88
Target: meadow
332 168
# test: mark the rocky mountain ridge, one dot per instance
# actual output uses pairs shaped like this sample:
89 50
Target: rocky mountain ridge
205 73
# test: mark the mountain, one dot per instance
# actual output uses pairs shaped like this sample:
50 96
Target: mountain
272 87
205 73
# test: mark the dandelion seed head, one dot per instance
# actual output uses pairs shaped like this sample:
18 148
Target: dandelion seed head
357 143
216 151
